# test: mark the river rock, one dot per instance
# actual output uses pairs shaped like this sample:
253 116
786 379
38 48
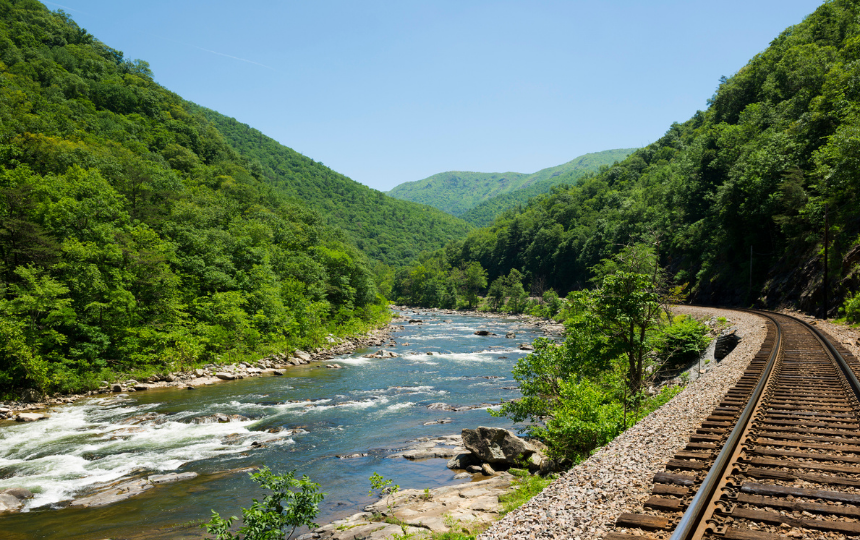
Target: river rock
526 347
474 469
278 373
171 477
116 388
224 376
19 493
484 333
115 493
303 356
462 461
30 417
497 445
141 387
333 366
10 503
199 372
487 469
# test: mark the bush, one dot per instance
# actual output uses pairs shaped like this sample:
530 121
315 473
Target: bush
851 308
680 342
294 503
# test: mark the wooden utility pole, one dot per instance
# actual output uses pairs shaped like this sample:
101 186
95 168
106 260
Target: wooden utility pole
826 241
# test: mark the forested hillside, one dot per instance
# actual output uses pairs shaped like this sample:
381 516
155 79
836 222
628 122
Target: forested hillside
386 229
132 235
458 193
735 198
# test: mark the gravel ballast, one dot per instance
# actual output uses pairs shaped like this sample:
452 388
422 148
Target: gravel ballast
584 502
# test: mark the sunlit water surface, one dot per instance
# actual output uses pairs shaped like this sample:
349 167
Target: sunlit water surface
372 406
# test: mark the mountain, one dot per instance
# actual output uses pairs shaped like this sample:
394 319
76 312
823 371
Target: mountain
139 233
735 197
386 229
458 192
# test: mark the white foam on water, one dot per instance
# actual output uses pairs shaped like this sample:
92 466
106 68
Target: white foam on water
76 449
352 360
398 406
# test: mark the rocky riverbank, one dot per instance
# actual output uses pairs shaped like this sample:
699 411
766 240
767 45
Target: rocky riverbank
483 455
33 407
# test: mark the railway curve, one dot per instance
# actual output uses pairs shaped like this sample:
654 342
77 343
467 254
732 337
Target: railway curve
779 454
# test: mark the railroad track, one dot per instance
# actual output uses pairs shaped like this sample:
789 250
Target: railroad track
779 456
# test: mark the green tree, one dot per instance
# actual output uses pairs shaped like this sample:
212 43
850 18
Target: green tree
473 279
294 503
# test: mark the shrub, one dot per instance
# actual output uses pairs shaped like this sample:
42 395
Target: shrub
294 503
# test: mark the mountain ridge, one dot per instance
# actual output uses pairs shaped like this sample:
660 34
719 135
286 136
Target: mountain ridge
458 192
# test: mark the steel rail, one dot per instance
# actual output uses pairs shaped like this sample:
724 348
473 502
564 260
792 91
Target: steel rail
691 519
840 361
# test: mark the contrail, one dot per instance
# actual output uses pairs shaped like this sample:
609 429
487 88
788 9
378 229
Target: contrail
66 7
218 53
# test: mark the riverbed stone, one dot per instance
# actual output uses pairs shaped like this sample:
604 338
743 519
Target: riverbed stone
115 493
10 503
224 376
18 493
303 356
461 461
497 445
116 388
30 417
171 477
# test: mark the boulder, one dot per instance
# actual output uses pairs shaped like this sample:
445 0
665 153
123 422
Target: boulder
474 469
303 356
141 387
462 461
199 372
278 373
116 388
484 333
19 493
510 335
487 469
224 376
31 395
497 446
9 503
526 347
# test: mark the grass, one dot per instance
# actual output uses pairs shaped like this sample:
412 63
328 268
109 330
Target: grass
525 486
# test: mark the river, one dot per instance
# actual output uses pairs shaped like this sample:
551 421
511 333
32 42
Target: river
372 406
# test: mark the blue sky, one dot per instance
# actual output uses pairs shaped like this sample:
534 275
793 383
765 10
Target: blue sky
391 92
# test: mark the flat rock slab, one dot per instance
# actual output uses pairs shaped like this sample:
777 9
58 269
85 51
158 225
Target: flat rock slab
472 502
171 477
127 489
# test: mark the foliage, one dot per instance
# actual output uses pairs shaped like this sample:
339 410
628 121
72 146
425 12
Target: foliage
524 487
749 175
680 342
580 394
133 236
294 503
386 229
851 308
459 193
384 488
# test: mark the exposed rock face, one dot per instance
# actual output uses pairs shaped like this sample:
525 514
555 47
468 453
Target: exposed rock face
497 446
726 343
